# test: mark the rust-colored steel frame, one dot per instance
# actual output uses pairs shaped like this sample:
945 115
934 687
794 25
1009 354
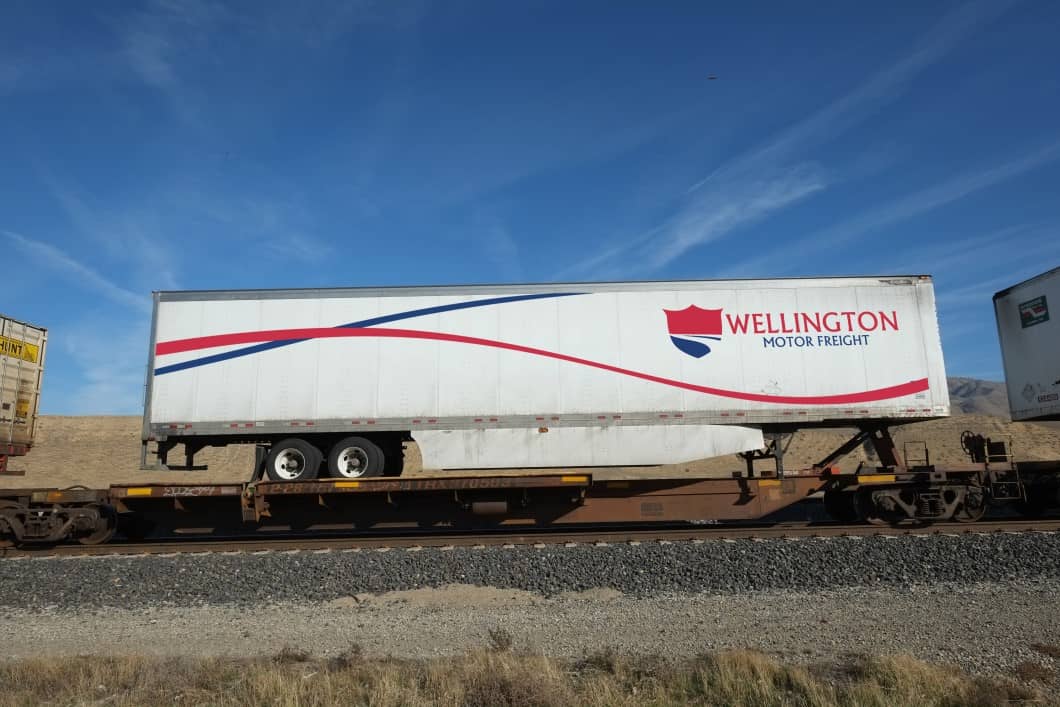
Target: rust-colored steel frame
7 451
452 502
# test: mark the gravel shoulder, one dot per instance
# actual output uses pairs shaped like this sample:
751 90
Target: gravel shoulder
979 601
984 627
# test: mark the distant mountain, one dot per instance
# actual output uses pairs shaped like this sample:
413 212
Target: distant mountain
971 396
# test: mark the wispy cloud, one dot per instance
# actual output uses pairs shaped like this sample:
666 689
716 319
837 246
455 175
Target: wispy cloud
743 202
962 257
163 35
110 356
318 24
713 214
11 75
126 235
1006 263
966 271
599 262
269 226
771 176
881 88
300 247
149 55
978 293
499 248
52 257
160 36
935 196
903 209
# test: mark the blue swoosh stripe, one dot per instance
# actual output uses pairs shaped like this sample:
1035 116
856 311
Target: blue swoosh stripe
257 348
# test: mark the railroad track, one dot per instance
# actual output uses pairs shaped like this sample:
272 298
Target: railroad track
450 539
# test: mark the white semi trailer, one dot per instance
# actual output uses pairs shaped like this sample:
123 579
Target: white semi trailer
1030 346
548 375
22 348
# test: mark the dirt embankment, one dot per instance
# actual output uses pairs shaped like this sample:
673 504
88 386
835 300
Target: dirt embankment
98 451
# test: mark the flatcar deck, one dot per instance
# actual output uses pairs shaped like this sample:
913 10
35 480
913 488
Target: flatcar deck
459 501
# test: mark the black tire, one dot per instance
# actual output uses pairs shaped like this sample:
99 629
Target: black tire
355 458
292 459
395 458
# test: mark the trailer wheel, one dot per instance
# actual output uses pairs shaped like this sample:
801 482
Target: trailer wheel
394 458
355 458
292 459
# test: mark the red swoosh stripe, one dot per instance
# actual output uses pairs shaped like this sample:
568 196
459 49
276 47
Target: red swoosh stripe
249 337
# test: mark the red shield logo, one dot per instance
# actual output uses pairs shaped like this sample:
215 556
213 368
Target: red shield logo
691 326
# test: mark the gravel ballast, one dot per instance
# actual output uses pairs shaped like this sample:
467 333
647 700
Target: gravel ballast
639 571
984 602
987 628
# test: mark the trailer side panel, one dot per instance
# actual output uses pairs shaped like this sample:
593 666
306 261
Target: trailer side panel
767 352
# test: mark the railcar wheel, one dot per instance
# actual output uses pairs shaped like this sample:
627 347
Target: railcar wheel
1039 495
108 525
292 459
7 538
355 458
877 509
974 506
134 527
840 506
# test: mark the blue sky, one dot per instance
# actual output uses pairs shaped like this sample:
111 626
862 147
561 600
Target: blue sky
187 145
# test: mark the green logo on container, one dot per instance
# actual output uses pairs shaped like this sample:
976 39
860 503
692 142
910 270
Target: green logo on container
1034 311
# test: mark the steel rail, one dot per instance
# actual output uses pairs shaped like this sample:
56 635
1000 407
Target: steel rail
545 537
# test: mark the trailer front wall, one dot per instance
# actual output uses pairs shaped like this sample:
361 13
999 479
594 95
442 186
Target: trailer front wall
717 352
1030 346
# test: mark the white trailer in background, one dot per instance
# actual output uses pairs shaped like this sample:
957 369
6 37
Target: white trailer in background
22 348
601 374
1030 346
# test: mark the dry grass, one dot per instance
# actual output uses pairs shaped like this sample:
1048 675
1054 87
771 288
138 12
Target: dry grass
1053 651
500 640
498 678
1029 670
